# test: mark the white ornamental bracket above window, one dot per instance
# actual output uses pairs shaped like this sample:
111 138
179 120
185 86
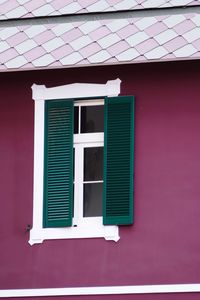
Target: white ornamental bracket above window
77 90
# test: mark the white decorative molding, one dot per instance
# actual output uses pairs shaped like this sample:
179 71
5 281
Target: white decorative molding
103 290
76 90
92 227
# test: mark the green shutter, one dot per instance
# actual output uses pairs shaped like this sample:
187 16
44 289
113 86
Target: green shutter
58 163
118 161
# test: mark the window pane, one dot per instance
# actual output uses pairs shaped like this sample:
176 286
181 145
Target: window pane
93 163
92 201
76 113
92 118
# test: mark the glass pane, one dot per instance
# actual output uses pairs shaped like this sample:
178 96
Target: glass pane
92 201
76 113
92 119
93 164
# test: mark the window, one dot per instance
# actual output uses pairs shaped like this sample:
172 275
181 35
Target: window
88 160
83 161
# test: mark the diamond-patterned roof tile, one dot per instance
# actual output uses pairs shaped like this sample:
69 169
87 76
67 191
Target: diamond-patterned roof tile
16 39
16 62
81 42
8 32
10 54
100 42
171 21
186 50
143 24
117 25
90 50
53 44
89 26
31 8
175 44
146 46
108 40
72 8
100 33
184 26
62 52
99 57
71 59
118 48
4 46
192 35
128 55
34 54
44 60
165 36
156 53
196 19
25 46
61 29
137 38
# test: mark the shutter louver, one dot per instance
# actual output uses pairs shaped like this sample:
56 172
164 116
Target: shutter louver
118 161
58 166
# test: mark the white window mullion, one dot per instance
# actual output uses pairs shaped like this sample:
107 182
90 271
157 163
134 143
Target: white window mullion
79 182
79 119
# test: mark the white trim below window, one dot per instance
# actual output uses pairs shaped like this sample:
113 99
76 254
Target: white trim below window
103 290
72 91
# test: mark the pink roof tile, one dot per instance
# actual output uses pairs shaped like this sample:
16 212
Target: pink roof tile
90 50
71 35
170 56
62 52
113 2
197 43
44 37
17 39
7 6
175 44
42 8
99 42
127 31
8 55
34 53
146 46
111 60
118 48
100 33
184 26
195 55
156 28
58 4
31 5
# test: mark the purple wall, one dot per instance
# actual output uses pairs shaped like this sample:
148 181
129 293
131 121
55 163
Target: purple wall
163 245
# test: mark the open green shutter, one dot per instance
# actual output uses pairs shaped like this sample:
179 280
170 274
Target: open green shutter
58 163
118 161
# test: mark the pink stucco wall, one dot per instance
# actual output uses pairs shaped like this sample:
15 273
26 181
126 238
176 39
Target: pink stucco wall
163 245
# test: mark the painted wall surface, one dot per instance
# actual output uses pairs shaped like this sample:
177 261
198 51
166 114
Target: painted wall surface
163 245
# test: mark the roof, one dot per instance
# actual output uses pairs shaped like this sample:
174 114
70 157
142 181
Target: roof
10 9
101 41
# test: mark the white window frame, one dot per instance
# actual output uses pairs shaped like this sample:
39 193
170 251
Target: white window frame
88 229
82 141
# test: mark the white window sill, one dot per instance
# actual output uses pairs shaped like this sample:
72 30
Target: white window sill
87 228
